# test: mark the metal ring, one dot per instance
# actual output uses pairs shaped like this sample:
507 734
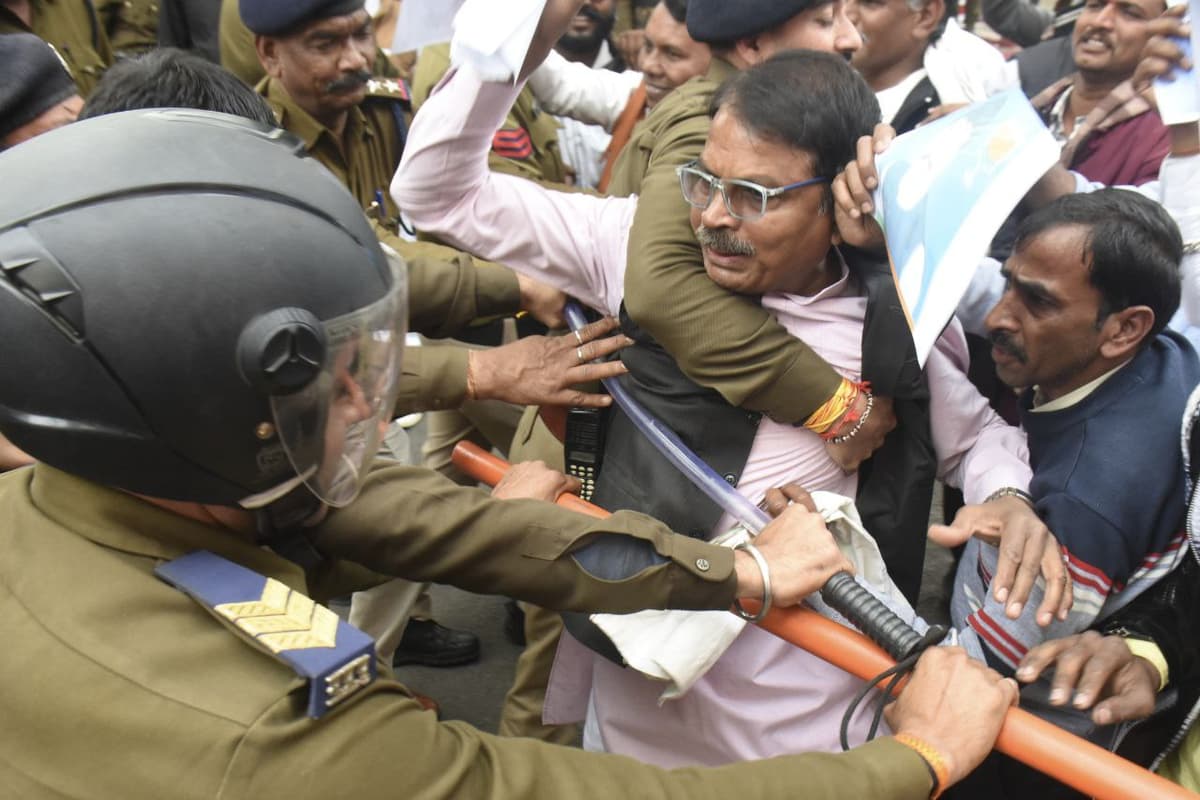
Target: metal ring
579 354
578 337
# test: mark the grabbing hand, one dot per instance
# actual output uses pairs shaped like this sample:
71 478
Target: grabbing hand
853 201
800 553
533 480
1160 55
955 704
541 370
544 303
1026 547
1087 667
850 454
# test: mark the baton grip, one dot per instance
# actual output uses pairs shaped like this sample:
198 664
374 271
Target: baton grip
881 625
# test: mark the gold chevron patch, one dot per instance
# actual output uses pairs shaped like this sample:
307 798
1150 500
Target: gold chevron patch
283 620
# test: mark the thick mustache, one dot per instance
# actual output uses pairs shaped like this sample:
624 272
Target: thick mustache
722 241
1003 341
348 82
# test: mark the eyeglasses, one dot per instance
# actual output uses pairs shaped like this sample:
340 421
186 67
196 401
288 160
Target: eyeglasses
745 200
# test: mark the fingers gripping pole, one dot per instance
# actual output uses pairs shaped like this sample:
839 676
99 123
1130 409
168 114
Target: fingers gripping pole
1061 755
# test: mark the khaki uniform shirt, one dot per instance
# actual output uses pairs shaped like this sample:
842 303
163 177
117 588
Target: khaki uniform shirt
525 146
132 25
713 334
74 29
122 686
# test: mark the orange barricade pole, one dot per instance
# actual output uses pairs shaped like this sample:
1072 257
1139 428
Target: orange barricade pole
1045 747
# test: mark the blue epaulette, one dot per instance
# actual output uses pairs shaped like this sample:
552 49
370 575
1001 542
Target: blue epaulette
336 658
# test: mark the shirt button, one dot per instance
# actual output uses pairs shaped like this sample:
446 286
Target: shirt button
702 564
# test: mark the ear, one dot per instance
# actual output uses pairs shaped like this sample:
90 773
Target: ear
268 54
750 51
1124 331
929 18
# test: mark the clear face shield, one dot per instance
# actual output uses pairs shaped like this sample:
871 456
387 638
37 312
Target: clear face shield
332 428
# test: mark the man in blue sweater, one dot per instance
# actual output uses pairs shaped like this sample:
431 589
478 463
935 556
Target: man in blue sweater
1089 289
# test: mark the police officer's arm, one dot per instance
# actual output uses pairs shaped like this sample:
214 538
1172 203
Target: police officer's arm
380 744
416 524
724 341
383 745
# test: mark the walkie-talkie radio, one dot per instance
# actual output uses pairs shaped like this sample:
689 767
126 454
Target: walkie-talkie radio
584 445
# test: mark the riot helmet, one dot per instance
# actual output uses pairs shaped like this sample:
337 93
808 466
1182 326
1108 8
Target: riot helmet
191 308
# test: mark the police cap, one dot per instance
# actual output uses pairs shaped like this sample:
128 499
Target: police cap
730 20
275 17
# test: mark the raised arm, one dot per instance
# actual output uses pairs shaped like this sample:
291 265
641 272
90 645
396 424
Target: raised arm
573 242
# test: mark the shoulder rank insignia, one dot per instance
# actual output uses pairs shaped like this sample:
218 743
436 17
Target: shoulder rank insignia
512 143
336 658
389 87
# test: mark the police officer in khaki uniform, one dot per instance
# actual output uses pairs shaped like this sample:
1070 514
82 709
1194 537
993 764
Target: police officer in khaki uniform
225 334
71 26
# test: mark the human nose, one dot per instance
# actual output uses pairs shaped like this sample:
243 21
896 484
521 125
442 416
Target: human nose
846 38
1105 17
650 63
352 58
1000 317
717 214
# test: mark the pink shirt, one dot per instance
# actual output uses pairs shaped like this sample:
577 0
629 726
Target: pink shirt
763 697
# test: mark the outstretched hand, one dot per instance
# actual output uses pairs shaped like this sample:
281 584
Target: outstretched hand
1027 549
543 370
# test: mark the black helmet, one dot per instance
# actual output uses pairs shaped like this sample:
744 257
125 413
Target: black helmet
192 309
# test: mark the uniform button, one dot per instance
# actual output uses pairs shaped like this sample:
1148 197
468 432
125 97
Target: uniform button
731 479
702 564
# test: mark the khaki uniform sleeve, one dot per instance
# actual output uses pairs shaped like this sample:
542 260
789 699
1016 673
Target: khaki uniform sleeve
382 745
448 289
416 524
721 340
432 379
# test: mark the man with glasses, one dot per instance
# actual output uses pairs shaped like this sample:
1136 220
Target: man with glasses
780 131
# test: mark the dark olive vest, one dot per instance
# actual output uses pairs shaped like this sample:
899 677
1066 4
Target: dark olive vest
895 485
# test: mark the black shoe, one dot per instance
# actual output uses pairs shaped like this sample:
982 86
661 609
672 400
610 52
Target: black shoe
426 643
514 623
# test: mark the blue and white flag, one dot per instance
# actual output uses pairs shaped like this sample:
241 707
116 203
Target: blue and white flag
945 189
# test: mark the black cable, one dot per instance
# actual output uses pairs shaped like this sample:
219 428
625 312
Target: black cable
897 672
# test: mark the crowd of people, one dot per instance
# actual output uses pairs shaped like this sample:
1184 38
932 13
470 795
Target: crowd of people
224 224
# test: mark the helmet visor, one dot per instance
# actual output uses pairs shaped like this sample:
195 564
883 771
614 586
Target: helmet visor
332 428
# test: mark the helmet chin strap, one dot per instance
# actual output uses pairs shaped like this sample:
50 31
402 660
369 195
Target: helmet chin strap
281 523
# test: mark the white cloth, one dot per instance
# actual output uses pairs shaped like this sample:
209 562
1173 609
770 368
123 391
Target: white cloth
494 37
963 68
678 647
592 96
